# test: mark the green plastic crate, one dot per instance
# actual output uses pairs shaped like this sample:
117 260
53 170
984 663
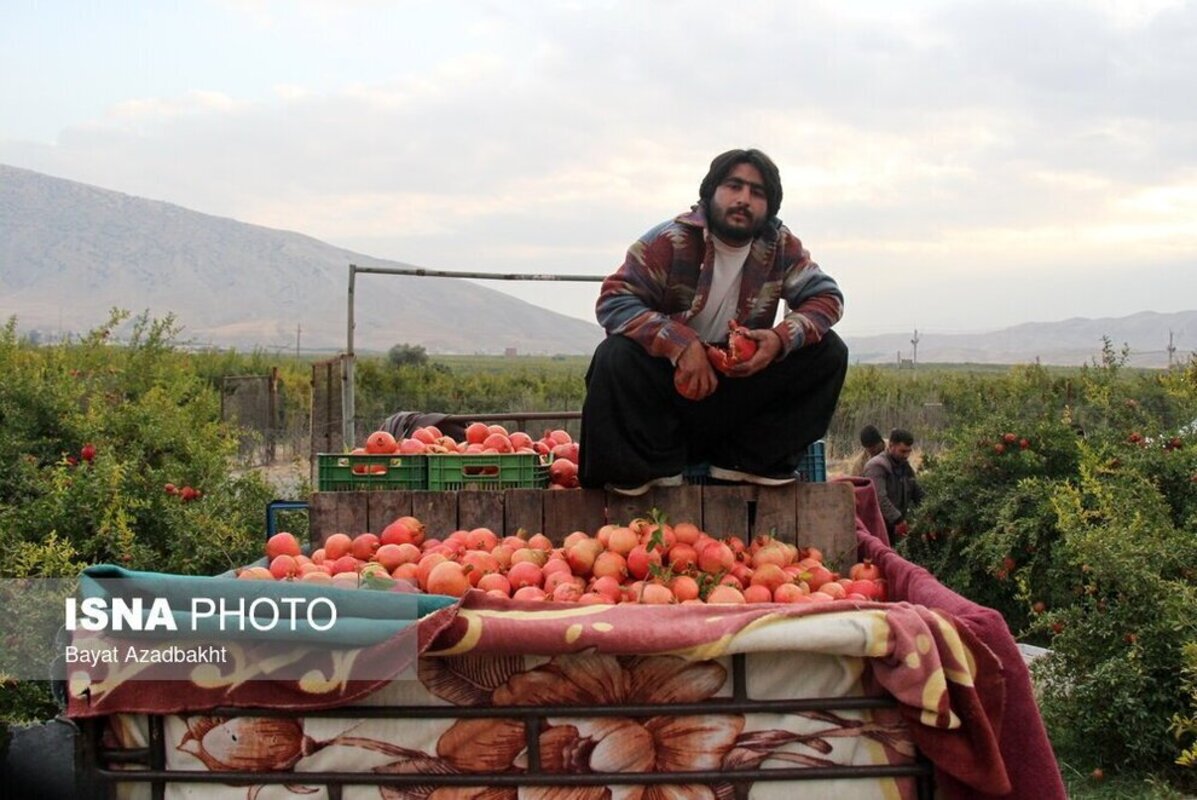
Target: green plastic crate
342 472
486 471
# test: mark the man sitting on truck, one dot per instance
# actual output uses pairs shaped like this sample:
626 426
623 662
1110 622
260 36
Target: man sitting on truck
654 403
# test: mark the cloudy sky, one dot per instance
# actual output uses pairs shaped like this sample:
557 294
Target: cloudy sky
957 166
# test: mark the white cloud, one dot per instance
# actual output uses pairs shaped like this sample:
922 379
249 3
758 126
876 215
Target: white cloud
1134 13
926 145
140 111
290 91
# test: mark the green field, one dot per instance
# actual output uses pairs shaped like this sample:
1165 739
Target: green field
924 400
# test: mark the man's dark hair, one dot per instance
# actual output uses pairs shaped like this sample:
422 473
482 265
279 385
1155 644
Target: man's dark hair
724 163
869 436
901 436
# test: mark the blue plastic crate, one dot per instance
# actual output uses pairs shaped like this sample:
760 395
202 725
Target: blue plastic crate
811 469
813 466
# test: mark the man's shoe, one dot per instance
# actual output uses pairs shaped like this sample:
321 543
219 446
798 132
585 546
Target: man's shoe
739 476
636 491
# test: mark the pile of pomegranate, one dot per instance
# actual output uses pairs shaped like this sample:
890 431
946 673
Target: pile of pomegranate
556 447
645 561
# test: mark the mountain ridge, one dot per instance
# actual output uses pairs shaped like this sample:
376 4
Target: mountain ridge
1074 341
71 251
74 251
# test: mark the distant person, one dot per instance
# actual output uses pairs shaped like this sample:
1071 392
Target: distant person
894 481
871 444
654 404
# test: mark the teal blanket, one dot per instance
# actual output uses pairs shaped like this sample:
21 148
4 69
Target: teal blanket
358 617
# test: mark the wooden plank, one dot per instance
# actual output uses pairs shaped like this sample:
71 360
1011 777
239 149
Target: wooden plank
826 517
438 512
354 512
322 507
386 507
727 511
524 508
809 514
481 509
679 503
327 434
776 513
337 512
622 509
569 510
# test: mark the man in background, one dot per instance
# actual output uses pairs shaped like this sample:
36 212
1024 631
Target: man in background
871 444
894 481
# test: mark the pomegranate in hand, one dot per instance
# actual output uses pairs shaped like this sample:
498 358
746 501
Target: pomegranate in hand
740 348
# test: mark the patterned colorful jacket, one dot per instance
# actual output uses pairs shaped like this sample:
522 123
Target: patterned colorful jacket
666 277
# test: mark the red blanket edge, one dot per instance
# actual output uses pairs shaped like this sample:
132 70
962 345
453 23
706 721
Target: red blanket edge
1030 762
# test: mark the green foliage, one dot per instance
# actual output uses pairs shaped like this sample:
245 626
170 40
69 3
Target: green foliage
1184 726
888 398
1112 683
151 421
402 355
1126 785
295 376
90 435
986 526
383 389
934 400
51 557
23 701
1085 538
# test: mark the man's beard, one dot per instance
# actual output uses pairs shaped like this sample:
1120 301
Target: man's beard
734 232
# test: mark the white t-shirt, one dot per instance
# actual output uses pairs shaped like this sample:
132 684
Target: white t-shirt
711 322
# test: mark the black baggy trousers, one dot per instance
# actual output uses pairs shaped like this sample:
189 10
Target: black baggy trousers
636 427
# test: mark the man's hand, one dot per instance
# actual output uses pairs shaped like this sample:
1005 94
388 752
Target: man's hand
693 377
768 347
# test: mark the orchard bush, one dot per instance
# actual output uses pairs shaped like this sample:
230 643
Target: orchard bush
1185 725
986 527
115 454
1070 505
1114 680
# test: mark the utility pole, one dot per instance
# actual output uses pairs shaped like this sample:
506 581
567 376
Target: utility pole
298 328
1171 350
914 357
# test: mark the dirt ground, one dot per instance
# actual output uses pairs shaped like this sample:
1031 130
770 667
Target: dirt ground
290 478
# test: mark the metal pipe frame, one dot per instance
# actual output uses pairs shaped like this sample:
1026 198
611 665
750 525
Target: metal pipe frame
348 431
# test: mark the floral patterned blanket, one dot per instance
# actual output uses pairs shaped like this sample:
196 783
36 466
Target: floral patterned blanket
486 652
